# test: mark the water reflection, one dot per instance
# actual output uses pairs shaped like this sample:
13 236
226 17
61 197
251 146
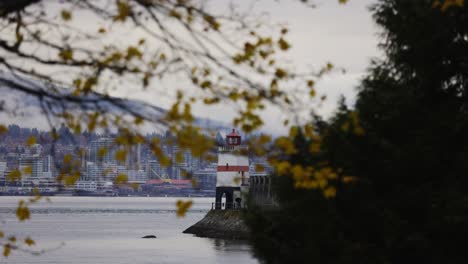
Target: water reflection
231 245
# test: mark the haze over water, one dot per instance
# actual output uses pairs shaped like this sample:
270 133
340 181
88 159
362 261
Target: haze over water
109 230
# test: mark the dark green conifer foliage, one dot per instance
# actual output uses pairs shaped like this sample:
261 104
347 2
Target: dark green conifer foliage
410 204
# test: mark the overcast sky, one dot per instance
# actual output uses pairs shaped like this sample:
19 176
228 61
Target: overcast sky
342 34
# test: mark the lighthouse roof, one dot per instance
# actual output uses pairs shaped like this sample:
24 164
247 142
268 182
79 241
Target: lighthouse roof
233 133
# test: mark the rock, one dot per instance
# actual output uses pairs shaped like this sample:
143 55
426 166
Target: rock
223 224
149 236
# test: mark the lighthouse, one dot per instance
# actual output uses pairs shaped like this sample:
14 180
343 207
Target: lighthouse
232 176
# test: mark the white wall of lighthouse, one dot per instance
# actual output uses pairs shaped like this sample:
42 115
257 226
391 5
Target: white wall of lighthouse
233 170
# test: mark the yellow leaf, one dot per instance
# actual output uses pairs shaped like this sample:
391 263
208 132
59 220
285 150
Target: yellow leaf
174 13
309 131
6 250
283 167
138 120
28 241
133 52
212 22
286 144
312 92
280 73
27 170
67 159
182 207
314 147
66 54
283 44
121 155
237 180
31 141
349 179
298 172
123 11
14 175
3 129
102 152
194 183
22 212
449 3
179 157
259 167
66 15
71 180
121 179
329 192
135 186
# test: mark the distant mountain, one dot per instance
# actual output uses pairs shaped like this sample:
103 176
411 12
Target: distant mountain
26 96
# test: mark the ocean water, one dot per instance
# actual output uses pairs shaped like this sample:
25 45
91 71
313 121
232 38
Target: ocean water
101 230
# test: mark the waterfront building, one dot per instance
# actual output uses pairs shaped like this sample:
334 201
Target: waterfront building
136 176
40 166
87 186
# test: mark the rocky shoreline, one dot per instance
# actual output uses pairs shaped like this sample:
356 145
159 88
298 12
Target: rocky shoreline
222 224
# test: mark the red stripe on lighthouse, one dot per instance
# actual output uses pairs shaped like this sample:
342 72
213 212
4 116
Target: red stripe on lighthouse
233 168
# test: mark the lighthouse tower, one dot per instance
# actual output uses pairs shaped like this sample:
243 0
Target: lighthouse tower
232 177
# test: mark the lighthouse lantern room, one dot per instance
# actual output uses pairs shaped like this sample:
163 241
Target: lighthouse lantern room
232 175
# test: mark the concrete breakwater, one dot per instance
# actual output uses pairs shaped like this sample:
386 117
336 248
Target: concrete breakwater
223 224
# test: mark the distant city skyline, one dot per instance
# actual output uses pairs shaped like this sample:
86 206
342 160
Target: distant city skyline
100 170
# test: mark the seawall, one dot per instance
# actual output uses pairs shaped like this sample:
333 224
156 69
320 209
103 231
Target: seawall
223 224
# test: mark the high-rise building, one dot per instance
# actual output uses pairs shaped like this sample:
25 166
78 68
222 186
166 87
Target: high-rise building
94 172
3 169
101 150
47 166
133 161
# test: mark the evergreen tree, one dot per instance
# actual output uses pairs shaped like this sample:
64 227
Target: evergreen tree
409 203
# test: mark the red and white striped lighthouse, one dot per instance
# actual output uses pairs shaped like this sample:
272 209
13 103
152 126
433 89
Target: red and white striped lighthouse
232 175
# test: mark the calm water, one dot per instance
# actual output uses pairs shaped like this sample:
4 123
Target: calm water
102 230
